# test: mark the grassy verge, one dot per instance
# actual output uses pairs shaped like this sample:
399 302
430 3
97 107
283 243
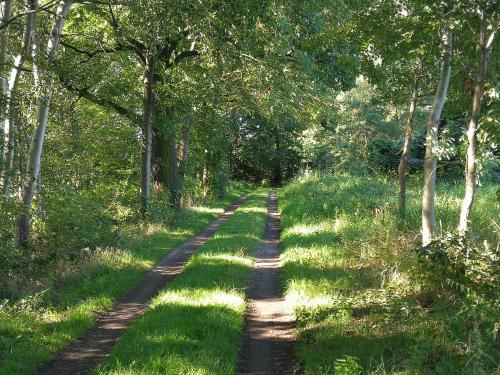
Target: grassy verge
34 328
350 275
194 325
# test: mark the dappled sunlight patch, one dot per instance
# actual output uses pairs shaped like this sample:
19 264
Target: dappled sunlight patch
153 228
51 316
227 258
174 336
309 229
206 210
197 297
154 232
236 236
322 257
254 210
299 298
122 259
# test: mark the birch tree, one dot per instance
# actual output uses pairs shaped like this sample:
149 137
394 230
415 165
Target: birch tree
36 147
406 149
428 210
485 44
5 16
14 77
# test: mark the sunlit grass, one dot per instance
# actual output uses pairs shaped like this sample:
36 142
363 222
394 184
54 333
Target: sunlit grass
194 324
231 299
206 210
34 328
348 264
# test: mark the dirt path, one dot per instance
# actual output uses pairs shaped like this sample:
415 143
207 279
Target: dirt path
267 347
83 355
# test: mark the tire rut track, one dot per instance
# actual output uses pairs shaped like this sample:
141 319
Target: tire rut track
268 335
83 355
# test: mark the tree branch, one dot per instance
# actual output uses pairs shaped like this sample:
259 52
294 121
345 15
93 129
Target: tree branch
19 15
96 52
185 54
106 103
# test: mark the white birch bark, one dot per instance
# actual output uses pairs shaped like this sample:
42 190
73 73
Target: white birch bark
36 147
5 14
470 161
14 76
428 211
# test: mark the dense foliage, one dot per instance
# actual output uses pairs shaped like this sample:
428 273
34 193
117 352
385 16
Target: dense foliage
119 120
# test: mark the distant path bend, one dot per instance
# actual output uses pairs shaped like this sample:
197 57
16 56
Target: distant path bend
268 337
83 355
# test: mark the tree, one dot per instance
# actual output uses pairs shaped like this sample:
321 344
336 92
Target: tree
406 148
46 82
5 15
485 44
10 98
428 214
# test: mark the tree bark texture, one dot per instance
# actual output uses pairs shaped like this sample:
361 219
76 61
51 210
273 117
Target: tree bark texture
428 211
147 136
470 161
36 147
10 117
5 14
406 150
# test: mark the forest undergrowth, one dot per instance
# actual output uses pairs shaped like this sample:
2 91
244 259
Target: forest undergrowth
369 299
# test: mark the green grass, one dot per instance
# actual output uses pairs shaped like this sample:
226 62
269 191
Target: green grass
34 328
194 324
349 273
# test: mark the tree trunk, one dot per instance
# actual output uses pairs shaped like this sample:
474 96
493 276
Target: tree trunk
11 151
183 158
277 177
21 168
428 218
147 136
5 14
36 147
41 198
470 161
204 176
169 159
406 150
14 77
172 172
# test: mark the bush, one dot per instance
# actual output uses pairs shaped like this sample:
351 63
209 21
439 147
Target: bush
385 154
469 273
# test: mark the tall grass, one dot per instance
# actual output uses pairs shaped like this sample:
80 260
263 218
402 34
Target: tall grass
352 276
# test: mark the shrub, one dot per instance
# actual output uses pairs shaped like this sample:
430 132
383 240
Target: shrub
469 273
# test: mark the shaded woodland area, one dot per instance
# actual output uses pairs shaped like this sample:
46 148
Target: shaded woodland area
127 126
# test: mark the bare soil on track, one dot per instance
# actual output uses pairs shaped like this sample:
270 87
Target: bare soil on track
267 343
